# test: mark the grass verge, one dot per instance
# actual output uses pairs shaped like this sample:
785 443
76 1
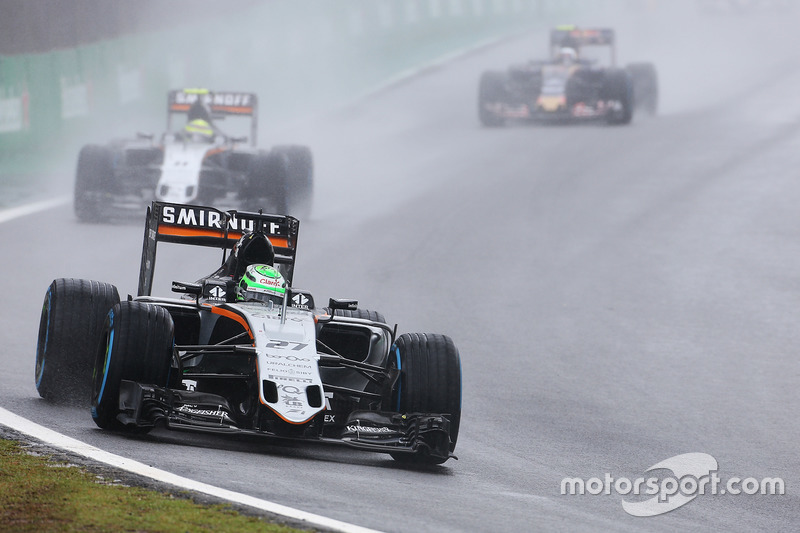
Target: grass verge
39 493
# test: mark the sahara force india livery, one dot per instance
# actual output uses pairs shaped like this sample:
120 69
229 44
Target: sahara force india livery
209 361
569 86
207 167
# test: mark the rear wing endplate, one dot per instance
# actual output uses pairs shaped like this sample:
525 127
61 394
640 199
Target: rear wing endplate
206 226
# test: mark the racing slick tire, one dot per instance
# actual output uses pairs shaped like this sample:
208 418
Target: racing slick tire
645 86
136 345
94 174
430 382
491 89
618 86
69 331
267 182
366 314
300 179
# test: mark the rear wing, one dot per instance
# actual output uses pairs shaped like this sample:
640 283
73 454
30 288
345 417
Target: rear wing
218 104
574 37
206 226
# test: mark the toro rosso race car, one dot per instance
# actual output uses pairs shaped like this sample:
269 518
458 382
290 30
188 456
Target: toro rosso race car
195 162
570 86
242 351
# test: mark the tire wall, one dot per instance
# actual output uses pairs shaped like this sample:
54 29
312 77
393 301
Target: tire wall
300 56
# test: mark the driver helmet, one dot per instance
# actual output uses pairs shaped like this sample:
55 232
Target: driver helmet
262 283
199 130
567 56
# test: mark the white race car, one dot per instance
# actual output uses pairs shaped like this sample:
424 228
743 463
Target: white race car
222 359
195 163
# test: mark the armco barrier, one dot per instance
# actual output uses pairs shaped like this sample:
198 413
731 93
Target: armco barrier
300 56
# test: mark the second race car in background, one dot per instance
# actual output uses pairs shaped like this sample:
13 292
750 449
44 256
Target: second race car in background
570 86
195 162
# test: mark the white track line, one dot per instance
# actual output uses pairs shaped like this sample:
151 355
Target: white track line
69 444
29 209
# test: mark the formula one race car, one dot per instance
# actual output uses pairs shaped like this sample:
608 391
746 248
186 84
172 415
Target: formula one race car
243 351
569 86
195 162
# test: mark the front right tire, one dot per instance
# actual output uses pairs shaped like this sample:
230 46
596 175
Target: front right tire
430 382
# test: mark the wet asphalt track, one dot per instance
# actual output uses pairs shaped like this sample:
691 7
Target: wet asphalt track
620 295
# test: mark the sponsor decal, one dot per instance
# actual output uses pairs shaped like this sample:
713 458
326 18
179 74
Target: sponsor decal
330 418
218 293
211 219
215 99
300 301
195 410
292 379
369 429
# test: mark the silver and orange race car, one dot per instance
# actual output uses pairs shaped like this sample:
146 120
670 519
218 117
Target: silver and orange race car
577 83
211 360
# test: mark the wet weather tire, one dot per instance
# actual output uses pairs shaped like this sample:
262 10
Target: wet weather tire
136 345
618 86
300 179
69 331
491 90
267 182
430 382
94 174
645 86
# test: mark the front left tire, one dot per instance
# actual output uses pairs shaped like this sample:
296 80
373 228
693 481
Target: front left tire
136 345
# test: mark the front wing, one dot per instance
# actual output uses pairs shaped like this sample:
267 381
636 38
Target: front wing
143 405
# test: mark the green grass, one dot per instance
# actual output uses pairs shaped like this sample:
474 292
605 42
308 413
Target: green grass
39 494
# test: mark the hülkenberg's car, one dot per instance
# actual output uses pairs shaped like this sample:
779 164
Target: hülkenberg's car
195 162
212 360
569 86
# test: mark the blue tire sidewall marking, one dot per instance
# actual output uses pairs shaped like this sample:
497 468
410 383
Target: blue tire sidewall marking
109 347
400 379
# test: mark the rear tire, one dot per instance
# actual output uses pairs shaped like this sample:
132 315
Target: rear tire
267 183
491 90
300 179
645 86
69 331
93 176
136 345
430 382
